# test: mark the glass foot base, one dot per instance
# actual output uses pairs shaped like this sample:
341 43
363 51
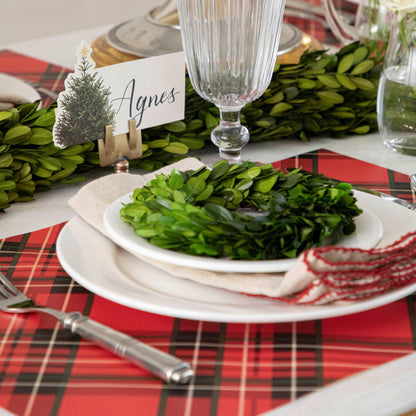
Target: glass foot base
232 157
405 145
230 141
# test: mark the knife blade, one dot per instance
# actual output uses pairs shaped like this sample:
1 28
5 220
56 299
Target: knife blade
387 197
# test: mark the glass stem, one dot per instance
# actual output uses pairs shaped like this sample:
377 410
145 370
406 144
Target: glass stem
230 136
230 117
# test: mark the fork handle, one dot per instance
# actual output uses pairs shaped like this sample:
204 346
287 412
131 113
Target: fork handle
163 365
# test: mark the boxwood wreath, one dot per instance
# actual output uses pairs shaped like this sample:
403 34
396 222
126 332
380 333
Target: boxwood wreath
323 94
204 212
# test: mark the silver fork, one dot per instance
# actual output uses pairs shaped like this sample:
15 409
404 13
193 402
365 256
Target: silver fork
163 365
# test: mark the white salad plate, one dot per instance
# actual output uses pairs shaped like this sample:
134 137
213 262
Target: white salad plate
369 232
101 266
12 87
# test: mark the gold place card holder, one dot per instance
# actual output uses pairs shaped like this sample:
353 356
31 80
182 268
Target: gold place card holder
118 150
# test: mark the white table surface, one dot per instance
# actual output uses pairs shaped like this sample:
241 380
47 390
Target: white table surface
51 207
28 19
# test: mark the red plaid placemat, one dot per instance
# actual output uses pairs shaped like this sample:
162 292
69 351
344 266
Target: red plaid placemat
48 76
317 28
242 369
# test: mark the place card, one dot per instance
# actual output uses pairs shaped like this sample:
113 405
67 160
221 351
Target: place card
151 91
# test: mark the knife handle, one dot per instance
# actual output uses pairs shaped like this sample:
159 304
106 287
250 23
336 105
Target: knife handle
163 365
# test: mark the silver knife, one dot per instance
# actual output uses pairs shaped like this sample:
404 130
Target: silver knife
387 197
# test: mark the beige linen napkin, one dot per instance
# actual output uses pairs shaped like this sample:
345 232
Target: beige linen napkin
319 276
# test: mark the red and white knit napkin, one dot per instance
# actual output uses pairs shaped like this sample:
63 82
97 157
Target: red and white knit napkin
348 274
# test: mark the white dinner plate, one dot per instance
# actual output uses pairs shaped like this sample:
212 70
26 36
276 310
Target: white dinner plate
106 269
16 88
369 232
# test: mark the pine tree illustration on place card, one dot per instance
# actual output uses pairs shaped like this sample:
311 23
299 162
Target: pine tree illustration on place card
84 107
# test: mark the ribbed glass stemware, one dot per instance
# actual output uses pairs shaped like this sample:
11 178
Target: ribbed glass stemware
230 48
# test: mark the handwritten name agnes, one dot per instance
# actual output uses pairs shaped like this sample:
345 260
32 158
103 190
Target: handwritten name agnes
138 105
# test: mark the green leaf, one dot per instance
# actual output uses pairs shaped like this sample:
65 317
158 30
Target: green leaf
178 196
311 124
17 134
6 159
3 197
176 126
265 185
330 97
329 81
197 184
211 121
306 84
192 143
361 129
175 179
62 174
244 185
176 148
50 163
345 63
291 93
264 123
5 116
345 81
363 67
250 173
72 159
343 115
160 143
218 212
45 120
276 98
40 136
232 195
219 169
363 84
7 185
360 54
26 110
206 193
280 108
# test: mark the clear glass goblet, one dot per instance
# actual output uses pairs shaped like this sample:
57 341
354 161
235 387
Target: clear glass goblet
230 48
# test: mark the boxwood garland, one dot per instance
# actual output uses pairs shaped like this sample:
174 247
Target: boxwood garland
202 212
323 94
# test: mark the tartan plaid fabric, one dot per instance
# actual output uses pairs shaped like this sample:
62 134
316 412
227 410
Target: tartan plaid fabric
317 27
47 75
242 369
